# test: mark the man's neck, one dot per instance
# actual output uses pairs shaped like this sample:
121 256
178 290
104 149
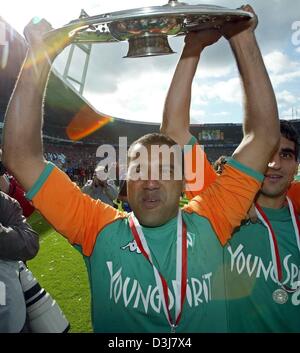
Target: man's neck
271 202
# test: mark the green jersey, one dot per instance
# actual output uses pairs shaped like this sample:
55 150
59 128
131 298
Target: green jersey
251 281
123 281
124 292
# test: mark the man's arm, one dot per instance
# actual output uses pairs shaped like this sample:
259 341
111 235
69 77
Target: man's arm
18 241
22 138
226 202
176 116
261 123
61 202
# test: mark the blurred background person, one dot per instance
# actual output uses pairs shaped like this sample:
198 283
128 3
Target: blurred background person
10 186
18 241
99 189
219 164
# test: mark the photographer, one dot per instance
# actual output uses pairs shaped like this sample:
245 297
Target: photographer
99 189
18 241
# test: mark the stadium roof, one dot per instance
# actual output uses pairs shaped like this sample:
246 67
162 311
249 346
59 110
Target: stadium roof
64 105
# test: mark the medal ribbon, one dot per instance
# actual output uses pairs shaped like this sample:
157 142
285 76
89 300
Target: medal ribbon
181 267
272 237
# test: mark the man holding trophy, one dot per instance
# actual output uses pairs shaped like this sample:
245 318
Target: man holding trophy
159 268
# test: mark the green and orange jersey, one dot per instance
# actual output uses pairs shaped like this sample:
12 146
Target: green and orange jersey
125 297
197 160
249 271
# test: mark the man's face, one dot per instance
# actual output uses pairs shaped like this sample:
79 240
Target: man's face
154 201
281 170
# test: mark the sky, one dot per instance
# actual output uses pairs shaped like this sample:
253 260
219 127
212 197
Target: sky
135 89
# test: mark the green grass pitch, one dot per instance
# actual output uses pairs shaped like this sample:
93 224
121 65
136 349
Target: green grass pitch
60 269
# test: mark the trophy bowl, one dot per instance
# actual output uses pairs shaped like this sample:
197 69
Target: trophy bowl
124 30
147 36
147 29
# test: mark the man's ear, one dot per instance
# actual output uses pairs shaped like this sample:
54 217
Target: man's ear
296 168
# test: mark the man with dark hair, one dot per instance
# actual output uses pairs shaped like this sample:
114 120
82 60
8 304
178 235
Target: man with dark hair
262 260
158 269
288 131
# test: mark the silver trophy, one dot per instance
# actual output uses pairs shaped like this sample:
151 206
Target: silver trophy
147 28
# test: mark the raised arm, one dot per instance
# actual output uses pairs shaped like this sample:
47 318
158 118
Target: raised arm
261 123
176 116
22 138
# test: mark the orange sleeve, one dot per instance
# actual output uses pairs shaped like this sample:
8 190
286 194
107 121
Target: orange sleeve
209 173
294 195
72 213
226 202
200 170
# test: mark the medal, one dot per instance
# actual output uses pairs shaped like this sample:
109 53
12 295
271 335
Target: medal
173 328
280 296
181 268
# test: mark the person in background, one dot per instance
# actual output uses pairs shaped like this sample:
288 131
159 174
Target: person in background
99 189
18 241
219 164
122 199
11 187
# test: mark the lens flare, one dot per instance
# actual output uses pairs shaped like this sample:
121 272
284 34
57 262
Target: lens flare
84 123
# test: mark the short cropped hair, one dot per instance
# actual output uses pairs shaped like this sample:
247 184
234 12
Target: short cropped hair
156 138
288 131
